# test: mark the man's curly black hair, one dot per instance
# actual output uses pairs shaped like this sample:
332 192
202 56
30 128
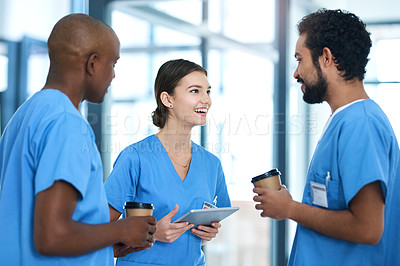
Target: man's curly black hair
344 34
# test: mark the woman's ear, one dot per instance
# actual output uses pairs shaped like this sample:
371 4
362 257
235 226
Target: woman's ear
166 99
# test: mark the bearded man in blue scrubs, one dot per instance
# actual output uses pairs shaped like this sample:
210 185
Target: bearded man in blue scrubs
350 210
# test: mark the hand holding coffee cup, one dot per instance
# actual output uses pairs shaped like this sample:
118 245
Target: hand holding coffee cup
270 180
138 209
142 211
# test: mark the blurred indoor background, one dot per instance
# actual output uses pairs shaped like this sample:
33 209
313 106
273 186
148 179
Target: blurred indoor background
258 120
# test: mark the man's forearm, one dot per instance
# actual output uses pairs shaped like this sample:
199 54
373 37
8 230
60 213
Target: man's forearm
362 223
76 238
338 224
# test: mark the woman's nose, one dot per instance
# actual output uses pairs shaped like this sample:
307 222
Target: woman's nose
206 99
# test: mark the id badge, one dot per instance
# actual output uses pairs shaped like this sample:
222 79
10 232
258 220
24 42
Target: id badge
319 194
207 205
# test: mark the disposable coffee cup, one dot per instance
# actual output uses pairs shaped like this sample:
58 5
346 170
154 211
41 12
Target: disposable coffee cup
138 209
270 179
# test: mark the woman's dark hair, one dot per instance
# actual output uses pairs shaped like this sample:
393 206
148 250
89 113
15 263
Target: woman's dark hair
168 77
344 34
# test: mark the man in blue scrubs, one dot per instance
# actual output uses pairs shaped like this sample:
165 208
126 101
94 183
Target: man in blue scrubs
350 210
53 207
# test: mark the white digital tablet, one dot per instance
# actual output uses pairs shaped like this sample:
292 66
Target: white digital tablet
206 216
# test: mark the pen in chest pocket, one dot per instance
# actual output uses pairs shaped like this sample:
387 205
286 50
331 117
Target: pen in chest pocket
328 177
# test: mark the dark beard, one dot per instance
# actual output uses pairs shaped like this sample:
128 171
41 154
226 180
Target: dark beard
315 93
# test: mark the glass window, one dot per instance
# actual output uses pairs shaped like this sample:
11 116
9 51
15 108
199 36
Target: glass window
387 60
28 58
166 36
240 128
131 31
383 75
250 21
128 123
3 72
161 58
387 96
189 11
131 77
38 65
240 134
383 64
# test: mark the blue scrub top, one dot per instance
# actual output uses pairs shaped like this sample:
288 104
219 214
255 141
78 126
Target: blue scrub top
47 140
143 172
358 148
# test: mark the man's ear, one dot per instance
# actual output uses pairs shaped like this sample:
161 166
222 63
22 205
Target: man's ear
166 99
327 57
91 63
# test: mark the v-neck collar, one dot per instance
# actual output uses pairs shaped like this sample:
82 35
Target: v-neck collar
171 165
335 113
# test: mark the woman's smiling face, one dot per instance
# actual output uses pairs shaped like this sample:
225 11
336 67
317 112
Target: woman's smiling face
191 99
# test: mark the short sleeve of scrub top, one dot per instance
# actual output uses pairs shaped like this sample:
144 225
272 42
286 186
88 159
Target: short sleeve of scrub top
56 162
362 158
222 198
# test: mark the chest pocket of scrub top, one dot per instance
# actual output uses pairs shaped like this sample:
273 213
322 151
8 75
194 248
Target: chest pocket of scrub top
333 192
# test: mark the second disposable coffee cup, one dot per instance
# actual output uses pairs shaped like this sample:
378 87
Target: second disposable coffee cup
138 209
270 179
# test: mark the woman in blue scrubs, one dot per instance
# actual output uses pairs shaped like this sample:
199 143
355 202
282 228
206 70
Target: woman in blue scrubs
170 171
